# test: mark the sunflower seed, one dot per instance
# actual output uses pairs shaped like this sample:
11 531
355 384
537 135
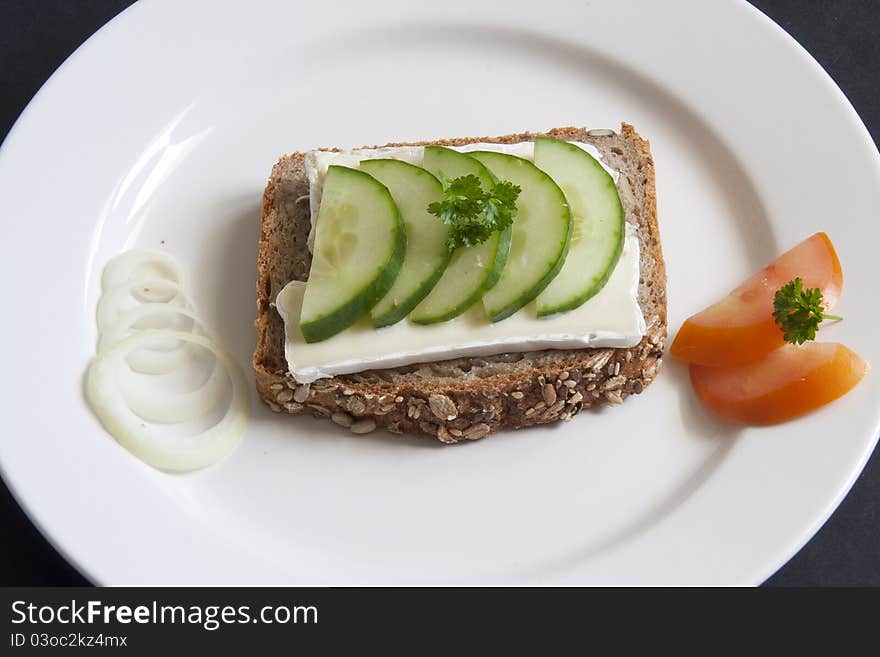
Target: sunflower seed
443 435
476 431
342 419
442 407
363 426
612 383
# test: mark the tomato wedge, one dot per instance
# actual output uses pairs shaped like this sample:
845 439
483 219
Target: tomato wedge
789 382
740 328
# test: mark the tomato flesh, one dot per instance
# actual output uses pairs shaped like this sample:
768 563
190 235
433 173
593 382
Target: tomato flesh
740 328
789 382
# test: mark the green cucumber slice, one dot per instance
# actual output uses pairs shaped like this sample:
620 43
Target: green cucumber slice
597 214
360 242
541 233
473 269
427 255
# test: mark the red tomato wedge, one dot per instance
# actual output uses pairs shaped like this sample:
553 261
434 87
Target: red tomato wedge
740 328
789 382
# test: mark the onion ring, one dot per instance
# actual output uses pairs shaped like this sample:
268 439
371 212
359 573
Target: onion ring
143 440
120 299
163 359
141 263
176 407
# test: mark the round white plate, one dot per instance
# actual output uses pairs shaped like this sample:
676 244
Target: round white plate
161 131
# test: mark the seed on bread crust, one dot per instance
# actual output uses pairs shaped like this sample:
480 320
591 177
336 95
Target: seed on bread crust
284 396
613 382
319 409
477 431
443 435
442 407
355 406
363 426
342 419
549 394
276 387
516 394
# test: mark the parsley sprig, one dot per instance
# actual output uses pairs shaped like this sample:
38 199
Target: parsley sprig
473 213
799 312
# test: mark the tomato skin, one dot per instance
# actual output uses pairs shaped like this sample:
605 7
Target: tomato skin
789 382
740 328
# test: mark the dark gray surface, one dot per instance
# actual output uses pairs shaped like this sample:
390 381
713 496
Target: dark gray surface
36 36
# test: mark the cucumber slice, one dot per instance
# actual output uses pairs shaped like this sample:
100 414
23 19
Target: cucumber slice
427 255
360 242
473 269
541 233
597 239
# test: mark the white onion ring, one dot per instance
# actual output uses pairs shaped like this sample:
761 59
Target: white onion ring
120 299
161 360
176 407
141 263
141 439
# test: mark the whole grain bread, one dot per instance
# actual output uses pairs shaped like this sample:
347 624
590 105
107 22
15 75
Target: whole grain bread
465 398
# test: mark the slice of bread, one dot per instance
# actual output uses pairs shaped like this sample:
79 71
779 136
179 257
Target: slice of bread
465 398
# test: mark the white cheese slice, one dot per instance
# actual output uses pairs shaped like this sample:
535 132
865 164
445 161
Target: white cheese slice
317 162
610 319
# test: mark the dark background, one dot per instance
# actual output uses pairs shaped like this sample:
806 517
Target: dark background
37 35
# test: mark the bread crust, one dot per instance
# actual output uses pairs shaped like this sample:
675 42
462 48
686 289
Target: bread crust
470 398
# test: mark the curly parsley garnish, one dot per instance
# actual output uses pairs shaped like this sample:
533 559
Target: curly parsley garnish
473 213
799 312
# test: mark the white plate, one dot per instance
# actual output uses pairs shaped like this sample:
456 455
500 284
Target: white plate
164 127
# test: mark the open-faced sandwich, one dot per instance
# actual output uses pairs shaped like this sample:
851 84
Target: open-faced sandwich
462 286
